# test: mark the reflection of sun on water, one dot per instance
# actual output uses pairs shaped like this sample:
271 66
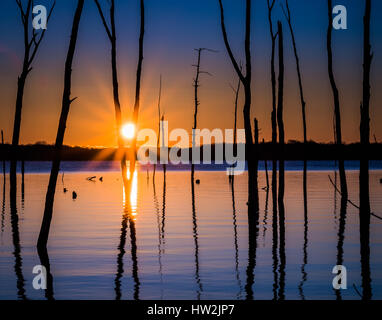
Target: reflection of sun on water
132 205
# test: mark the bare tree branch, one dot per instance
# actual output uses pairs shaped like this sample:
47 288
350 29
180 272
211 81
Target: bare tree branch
103 19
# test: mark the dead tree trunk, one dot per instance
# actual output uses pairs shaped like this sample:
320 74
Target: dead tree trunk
31 45
336 99
159 116
246 81
280 123
303 104
111 33
364 212
66 102
138 83
365 106
273 73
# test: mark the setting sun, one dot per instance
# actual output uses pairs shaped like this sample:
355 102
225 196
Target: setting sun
128 130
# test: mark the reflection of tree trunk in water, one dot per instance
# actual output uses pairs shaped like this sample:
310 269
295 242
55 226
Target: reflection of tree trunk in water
253 220
305 247
265 221
164 204
195 235
127 220
234 220
44 259
66 102
274 229
364 228
341 237
335 193
281 295
16 234
134 258
3 205
156 203
253 231
22 184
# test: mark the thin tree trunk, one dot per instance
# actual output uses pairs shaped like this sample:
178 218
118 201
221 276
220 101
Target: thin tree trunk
365 106
337 111
159 115
280 103
66 102
138 83
273 73
303 104
246 80
364 213
31 45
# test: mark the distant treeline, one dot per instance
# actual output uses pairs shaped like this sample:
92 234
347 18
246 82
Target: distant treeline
264 151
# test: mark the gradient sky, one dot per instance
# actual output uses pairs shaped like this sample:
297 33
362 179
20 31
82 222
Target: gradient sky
173 29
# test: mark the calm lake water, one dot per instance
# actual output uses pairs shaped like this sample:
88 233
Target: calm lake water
171 248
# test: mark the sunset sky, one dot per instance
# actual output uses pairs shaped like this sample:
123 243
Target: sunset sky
173 29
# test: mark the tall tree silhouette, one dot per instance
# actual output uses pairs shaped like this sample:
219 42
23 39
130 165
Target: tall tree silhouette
111 33
246 81
66 102
273 73
303 104
138 82
32 41
280 123
159 116
364 197
337 111
365 106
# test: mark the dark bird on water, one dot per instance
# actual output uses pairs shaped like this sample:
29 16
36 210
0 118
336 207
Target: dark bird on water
74 195
101 179
197 181
91 178
65 190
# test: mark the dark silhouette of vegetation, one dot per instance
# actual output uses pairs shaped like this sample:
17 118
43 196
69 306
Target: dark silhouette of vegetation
66 102
111 33
337 111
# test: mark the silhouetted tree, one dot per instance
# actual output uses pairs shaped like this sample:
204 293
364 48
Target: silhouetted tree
337 111
273 73
138 81
159 116
364 197
365 106
280 123
66 102
32 42
111 33
246 81
303 104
